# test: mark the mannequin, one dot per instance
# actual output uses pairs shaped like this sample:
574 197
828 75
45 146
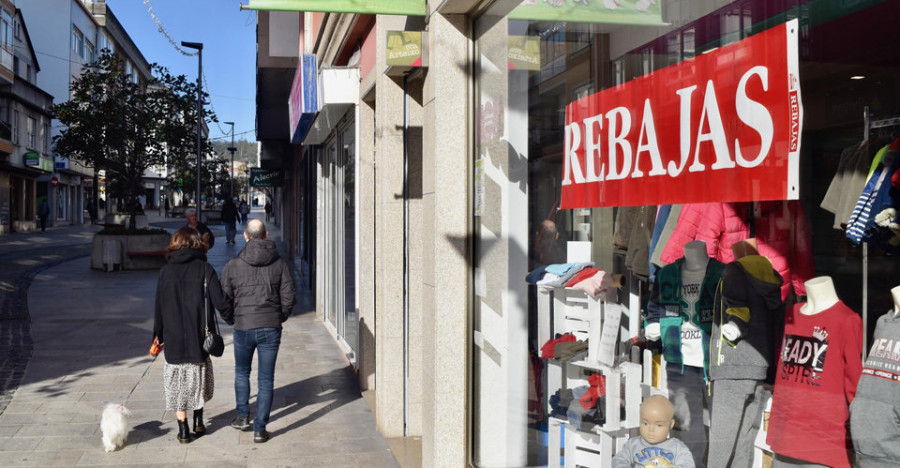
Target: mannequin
742 348
895 293
817 374
680 315
695 256
820 295
872 417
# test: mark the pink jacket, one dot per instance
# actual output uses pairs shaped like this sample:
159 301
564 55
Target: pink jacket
782 235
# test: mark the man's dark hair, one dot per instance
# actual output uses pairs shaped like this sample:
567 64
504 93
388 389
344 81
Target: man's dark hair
255 229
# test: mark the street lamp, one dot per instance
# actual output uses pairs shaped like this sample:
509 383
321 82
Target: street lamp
231 149
199 47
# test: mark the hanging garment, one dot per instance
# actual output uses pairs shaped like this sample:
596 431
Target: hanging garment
849 181
875 197
782 235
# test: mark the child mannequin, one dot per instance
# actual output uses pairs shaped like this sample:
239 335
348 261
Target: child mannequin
810 403
820 295
873 426
654 447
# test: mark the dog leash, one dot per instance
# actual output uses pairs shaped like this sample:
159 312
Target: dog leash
140 379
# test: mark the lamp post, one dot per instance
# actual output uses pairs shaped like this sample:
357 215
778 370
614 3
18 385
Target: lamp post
231 149
199 47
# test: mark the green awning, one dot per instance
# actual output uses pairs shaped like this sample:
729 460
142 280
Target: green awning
374 7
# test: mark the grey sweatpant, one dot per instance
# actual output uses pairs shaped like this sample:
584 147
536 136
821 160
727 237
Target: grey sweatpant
734 422
689 396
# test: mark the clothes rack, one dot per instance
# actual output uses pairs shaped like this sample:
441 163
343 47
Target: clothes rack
869 125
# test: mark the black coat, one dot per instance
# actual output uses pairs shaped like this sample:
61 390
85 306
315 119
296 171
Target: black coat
229 213
261 287
179 305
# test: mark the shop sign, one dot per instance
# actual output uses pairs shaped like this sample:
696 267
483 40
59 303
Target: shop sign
33 159
722 127
61 163
260 177
524 52
643 12
404 48
303 103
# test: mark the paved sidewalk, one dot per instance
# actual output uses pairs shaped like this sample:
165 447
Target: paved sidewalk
91 331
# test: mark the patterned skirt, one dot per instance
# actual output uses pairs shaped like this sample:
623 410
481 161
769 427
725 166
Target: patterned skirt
188 386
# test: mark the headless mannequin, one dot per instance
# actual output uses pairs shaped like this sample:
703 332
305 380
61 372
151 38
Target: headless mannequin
695 256
820 295
740 249
895 293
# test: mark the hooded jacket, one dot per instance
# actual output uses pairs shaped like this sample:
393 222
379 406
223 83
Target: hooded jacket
748 296
781 231
178 321
666 306
261 287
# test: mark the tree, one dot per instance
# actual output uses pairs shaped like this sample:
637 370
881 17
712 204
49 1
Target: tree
114 123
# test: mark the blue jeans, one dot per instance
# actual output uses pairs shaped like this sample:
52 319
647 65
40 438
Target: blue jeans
230 230
267 341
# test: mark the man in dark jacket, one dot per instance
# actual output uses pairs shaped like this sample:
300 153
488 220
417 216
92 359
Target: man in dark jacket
229 217
263 293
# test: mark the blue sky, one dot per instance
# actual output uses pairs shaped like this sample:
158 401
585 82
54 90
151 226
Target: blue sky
229 51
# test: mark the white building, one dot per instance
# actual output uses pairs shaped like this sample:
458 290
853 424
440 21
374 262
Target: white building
78 30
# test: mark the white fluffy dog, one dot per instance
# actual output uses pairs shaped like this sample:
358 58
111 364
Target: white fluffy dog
114 425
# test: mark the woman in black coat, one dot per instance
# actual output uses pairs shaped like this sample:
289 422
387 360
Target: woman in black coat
179 325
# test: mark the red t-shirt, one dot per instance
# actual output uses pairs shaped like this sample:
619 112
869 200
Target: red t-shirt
818 368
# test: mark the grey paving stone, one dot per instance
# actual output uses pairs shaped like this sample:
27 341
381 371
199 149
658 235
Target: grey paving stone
54 458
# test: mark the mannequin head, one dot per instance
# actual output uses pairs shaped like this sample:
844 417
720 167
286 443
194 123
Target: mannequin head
820 295
744 248
695 256
895 293
657 419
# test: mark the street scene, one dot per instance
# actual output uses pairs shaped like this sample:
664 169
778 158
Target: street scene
75 339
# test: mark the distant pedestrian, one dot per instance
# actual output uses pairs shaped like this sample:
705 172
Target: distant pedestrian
179 327
168 207
43 213
190 215
229 217
244 210
263 293
268 210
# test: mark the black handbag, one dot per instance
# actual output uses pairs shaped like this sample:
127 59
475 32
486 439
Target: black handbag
213 342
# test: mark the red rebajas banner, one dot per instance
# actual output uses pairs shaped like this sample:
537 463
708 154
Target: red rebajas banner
721 127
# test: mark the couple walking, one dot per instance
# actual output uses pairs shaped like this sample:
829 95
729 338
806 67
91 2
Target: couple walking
256 294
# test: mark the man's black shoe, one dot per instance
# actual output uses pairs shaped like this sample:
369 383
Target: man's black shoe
260 437
241 423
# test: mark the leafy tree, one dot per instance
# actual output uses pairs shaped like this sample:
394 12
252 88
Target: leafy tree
124 127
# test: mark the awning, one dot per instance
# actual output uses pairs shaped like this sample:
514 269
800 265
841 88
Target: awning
303 103
338 92
374 7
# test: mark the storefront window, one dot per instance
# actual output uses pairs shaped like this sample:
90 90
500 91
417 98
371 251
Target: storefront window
847 73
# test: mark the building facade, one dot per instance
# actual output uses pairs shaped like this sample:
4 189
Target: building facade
78 30
417 195
24 126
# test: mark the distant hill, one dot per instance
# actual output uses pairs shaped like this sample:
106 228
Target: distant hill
246 150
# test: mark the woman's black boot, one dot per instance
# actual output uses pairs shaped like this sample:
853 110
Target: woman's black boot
184 432
199 428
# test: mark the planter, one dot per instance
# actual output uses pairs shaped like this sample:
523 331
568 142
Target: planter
121 219
110 252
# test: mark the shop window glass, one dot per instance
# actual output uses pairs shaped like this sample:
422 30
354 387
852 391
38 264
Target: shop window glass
848 62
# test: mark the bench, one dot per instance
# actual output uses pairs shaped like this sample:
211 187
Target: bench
152 253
